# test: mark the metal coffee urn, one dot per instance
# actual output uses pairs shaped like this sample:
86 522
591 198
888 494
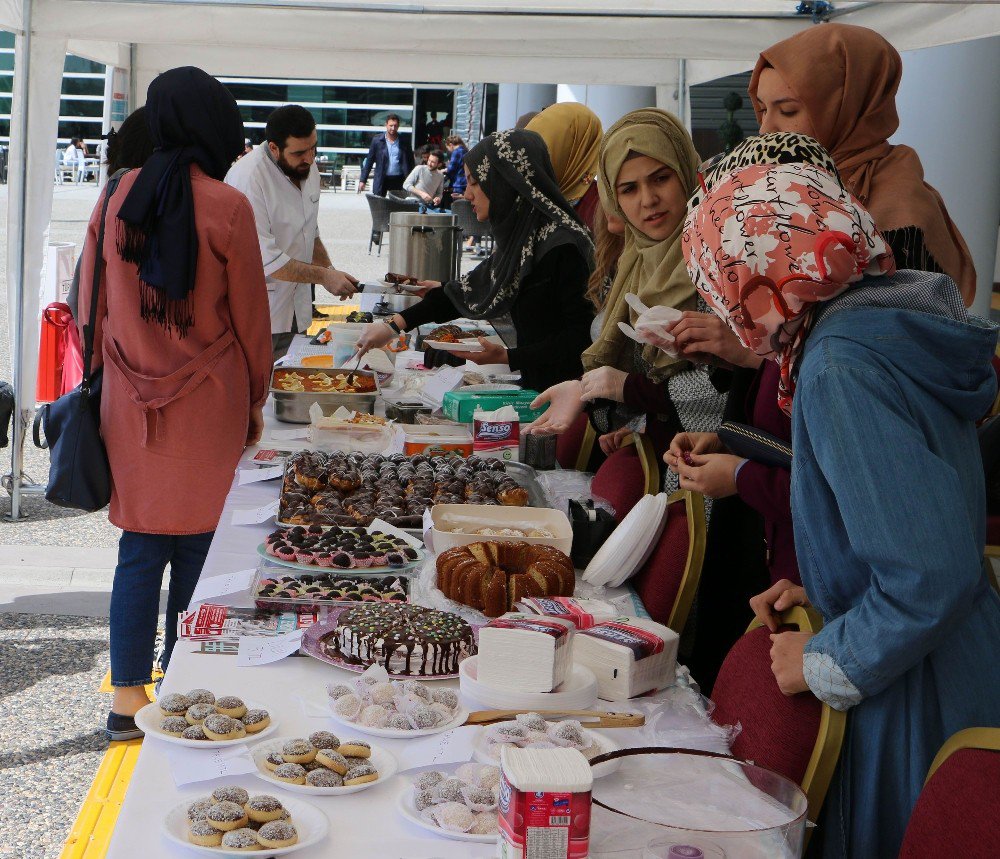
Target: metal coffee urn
424 246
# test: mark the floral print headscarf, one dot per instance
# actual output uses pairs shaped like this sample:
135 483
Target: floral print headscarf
771 241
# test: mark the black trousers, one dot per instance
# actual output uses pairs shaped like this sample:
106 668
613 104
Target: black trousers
391 183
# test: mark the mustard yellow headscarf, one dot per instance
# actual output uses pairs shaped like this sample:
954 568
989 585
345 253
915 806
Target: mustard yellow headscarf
652 270
572 134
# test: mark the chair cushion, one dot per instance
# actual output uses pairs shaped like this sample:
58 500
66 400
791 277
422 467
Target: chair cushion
957 812
568 444
778 732
659 581
620 481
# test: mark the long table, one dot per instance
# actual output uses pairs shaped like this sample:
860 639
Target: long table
363 824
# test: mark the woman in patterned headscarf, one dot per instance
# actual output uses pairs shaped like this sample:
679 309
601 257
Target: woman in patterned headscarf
537 274
884 375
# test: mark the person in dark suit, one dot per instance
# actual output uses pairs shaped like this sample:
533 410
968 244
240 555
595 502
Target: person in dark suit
391 157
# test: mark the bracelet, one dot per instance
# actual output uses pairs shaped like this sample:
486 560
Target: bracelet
392 324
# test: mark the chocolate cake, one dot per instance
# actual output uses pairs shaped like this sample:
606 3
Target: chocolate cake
405 639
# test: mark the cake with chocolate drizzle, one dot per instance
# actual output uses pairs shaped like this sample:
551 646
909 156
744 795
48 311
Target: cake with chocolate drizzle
406 639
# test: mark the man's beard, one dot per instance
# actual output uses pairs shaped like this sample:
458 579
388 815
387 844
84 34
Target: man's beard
300 172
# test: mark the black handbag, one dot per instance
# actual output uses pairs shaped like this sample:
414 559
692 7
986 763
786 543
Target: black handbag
756 445
79 473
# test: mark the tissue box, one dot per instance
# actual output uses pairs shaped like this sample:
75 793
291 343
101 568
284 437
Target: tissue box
524 653
461 405
629 656
496 434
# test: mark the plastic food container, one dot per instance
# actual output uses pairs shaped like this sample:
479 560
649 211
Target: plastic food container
351 438
436 440
301 604
405 411
471 517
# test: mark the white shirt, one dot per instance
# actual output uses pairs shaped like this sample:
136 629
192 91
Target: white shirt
286 216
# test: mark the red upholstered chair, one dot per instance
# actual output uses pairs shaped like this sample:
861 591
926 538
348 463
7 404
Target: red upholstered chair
628 474
574 447
798 736
958 812
668 581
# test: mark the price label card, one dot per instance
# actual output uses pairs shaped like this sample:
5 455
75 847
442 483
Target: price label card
428 529
446 379
448 747
255 515
289 434
217 586
192 765
392 530
260 650
255 475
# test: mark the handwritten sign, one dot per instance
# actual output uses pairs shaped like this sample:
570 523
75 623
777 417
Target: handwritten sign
255 475
261 650
218 586
290 434
192 765
448 747
255 515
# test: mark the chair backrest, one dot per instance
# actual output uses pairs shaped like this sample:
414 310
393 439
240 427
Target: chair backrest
619 481
379 207
668 581
961 788
797 736
398 195
470 224
395 205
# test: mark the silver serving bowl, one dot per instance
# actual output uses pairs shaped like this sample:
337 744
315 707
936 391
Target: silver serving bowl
293 406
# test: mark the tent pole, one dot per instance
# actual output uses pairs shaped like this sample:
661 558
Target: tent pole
16 221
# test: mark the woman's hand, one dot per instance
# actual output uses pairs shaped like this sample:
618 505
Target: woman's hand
782 595
255 428
565 405
493 353
604 383
426 286
705 338
787 649
712 474
691 442
612 441
374 336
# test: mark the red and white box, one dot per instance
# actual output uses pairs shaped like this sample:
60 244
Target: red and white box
497 434
628 655
544 804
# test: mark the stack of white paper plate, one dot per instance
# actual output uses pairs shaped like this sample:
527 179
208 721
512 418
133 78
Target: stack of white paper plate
578 692
631 543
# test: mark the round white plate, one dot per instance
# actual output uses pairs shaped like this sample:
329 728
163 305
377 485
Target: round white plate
309 822
149 717
381 759
406 807
469 345
405 287
578 692
392 734
481 751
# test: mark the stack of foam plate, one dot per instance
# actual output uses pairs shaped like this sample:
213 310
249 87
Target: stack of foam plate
630 544
577 692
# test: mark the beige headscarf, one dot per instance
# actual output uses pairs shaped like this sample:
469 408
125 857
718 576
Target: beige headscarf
572 134
652 270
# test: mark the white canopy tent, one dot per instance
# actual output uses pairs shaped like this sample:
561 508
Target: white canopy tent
510 41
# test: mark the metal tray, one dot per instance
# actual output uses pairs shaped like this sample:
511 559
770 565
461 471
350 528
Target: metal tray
293 406
265 571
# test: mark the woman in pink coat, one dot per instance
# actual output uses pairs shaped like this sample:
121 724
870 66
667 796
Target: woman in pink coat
183 331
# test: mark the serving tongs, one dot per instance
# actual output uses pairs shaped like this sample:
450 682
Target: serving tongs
350 376
589 718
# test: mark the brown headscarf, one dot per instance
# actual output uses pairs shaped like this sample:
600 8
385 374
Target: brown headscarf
846 78
572 132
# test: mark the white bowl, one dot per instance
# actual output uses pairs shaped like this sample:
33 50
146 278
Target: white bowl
578 692
404 803
309 822
481 751
393 734
149 717
472 517
381 759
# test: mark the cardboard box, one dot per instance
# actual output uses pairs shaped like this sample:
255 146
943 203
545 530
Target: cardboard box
461 405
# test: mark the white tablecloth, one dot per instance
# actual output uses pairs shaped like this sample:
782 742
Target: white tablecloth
364 824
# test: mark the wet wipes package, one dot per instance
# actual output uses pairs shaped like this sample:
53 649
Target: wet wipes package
496 434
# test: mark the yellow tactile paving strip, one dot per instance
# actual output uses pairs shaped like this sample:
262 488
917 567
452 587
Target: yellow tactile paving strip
91 833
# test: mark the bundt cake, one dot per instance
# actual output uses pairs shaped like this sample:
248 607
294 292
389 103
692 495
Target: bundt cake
492 576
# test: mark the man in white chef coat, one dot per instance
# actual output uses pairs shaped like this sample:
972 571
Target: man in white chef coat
281 181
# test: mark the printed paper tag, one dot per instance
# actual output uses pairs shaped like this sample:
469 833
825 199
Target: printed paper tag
641 642
255 515
556 630
190 765
566 608
255 475
260 650
217 586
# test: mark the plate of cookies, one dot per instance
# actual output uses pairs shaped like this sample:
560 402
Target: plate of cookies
459 803
322 765
233 820
199 719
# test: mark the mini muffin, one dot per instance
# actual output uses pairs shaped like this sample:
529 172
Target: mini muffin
273 760
197 713
230 705
173 704
263 808
256 720
291 773
323 777
332 760
355 749
198 810
361 774
204 834
200 696
243 839
219 727
195 732
226 816
298 751
231 793
324 740
277 834
174 725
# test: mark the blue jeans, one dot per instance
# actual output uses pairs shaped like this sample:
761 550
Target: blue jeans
135 598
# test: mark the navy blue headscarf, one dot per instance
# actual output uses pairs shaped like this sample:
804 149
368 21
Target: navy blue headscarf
193 119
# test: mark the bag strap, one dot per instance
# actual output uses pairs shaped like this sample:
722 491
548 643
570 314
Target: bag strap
91 326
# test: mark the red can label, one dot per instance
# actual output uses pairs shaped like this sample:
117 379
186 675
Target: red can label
543 825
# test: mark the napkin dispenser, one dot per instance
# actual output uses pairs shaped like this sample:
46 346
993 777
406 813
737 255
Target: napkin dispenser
591 527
